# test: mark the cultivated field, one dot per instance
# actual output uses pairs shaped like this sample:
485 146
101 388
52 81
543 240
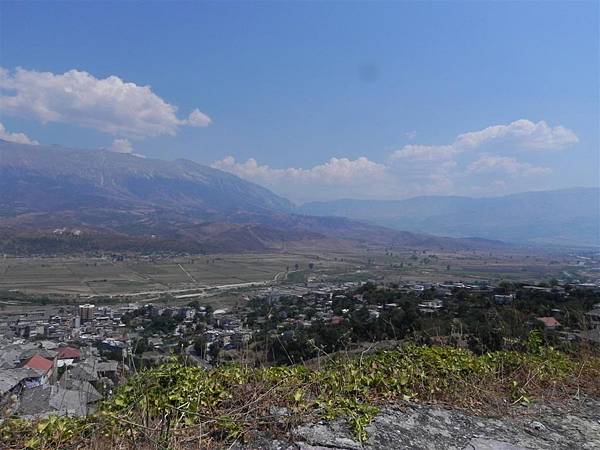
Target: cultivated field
80 276
105 276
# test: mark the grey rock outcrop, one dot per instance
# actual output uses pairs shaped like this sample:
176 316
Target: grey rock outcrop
543 426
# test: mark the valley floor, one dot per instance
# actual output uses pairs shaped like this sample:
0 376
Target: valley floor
134 275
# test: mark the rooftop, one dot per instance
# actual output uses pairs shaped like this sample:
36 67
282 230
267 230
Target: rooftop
550 322
39 362
68 353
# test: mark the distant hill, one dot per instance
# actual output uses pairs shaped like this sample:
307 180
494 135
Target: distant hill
47 178
563 217
54 199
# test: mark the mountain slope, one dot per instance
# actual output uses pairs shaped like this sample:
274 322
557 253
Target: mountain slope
562 217
43 178
54 199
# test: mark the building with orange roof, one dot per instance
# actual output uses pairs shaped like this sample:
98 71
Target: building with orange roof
66 356
42 365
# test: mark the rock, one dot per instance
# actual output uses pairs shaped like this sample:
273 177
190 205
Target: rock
279 411
414 426
538 426
491 444
333 435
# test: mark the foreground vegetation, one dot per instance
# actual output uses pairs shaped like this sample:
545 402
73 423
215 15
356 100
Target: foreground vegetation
176 407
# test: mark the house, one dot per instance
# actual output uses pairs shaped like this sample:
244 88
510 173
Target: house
107 369
67 356
12 381
431 307
593 318
78 399
10 356
549 322
85 371
44 366
504 299
28 353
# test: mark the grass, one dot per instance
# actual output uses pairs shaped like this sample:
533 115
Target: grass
177 407
297 276
88 275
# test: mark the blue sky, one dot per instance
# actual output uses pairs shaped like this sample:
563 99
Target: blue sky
317 100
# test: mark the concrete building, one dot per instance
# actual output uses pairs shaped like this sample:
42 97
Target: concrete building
86 312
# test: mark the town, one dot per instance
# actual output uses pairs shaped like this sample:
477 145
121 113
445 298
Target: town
64 360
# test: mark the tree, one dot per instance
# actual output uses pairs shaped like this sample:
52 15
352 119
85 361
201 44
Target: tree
140 346
200 344
214 349
505 287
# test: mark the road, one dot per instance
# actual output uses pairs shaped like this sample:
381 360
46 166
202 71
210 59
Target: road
205 290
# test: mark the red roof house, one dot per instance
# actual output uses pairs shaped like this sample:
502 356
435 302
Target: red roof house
549 322
40 363
68 353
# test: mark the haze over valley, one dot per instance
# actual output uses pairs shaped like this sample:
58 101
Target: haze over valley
563 217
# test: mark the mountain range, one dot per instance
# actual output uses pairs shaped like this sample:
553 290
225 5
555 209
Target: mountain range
568 217
54 199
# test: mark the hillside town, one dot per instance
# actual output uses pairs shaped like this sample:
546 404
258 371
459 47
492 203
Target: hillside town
65 361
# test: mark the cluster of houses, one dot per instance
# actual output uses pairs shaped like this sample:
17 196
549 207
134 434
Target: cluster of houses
53 361
318 300
81 322
43 378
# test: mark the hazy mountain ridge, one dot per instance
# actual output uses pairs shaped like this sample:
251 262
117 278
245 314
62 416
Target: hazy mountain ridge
80 176
121 201
562 217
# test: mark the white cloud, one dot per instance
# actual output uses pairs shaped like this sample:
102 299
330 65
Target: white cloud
345 178
198 119
521 133
410 135
121 146
335 171
426 152
436 167
416 169
336 178
506 165
110 105
19 138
